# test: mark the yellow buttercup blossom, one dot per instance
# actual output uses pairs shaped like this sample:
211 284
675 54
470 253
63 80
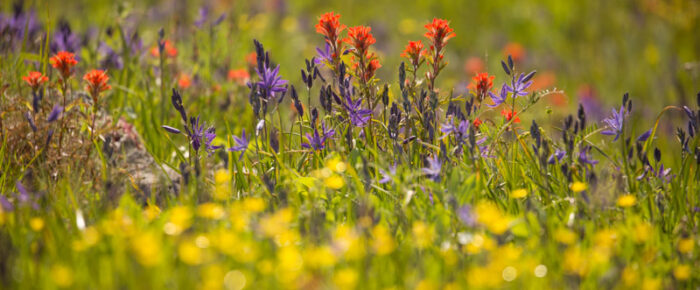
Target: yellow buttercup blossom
334 182
491 216
423 234
345 278
626 200
151 212
62 276
147 248
319 257
276 223
180 220
578 186
254 204
335 164
641 232
565 236
519 193
222 176
383 242
682 272
36 223
211 210
686 245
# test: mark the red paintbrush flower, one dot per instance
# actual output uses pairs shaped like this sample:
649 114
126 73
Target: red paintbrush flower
509 114
96 82
184 81
35 79
439 32
482 83
329 25
360 38
168 47
414 51
64 61
240 76
477 123
372 67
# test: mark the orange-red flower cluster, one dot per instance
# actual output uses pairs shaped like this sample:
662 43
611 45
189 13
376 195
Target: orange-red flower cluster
240 76
439 32
64 62
371 68
184 81
168 47
96 82
482 83
360 37
414 51
477 123
509 114
35 79
329 25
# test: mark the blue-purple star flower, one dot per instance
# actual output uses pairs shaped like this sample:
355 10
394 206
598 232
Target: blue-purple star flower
557 156
644 137
317 141
615 123
324 55
519 86
585 158
433 169
110 58
387 176
241 144
55 113
271 82
358 117
467 215
460 131
64 39
500 98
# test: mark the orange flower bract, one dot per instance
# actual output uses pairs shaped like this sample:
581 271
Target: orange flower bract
329 25
64 62
482 83
35 79
413 51
360 37
439 32
96 82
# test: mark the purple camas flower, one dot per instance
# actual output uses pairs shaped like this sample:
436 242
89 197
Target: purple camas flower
519 86
500 98
615 123
64 39
317 141
111 59
585 158
557 156
197 133
433 169
271 82
358 117
200 133
55 113
324 55
466 215
644 137
241 144
387 176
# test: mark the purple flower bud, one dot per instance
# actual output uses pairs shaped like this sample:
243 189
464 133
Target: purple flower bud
171 129
55 113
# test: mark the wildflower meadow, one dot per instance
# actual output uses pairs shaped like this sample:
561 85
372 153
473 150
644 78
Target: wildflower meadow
280 144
